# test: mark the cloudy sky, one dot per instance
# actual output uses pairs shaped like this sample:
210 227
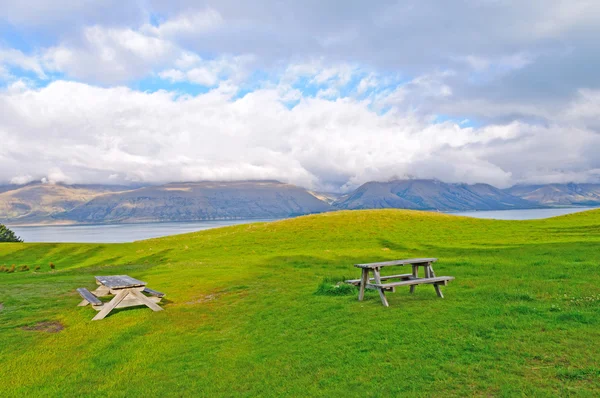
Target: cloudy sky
323 94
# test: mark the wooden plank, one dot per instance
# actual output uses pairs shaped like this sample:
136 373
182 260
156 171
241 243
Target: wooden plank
101 291
107 308
422 261
436 286
381 290
153 292
146 300
364 279
415 274
418 281
119 281
134 301
83 303
88 296
356 282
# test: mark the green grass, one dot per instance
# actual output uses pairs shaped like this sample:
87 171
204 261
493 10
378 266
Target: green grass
252 310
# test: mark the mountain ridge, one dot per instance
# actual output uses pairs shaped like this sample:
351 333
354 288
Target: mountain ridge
44 203
420 194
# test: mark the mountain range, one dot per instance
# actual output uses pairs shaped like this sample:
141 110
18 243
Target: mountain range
430 195
44 203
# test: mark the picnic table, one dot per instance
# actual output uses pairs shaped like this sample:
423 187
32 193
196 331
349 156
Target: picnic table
411 279
127 291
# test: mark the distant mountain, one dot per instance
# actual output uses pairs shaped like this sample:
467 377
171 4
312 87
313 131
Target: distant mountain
42 203
328 197
559 194
37 202
430 195
198 201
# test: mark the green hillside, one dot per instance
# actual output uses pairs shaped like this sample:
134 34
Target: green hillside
251 311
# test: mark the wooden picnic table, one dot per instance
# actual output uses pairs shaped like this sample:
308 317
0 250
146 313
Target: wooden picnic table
127 291
411 279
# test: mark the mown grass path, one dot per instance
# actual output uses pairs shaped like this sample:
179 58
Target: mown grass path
244 316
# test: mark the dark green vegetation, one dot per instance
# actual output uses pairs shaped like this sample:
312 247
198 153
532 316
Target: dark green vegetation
252 310
6 235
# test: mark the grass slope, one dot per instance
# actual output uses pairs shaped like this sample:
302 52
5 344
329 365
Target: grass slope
248 311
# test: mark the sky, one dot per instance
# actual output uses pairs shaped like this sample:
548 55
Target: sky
323 94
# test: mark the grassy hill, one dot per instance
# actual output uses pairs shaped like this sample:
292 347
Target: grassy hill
251 311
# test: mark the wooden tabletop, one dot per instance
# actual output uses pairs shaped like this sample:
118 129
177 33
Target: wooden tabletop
119 281
397 262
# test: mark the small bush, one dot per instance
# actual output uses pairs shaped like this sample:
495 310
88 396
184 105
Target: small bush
37 268
335 287
52 266
3 268
11 269
23 268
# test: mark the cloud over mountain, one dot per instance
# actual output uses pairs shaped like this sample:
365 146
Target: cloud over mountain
323 95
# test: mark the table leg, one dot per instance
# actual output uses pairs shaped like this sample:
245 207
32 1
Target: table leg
101 291
108 307
437 288
144 300
381 291
364 279
415 273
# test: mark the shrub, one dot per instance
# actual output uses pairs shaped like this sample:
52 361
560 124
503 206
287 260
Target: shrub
11 269
335 287
52 266
6 235
3 268
37 268
23 268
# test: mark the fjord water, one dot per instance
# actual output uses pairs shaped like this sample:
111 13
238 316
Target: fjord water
117 233
523 214
120 233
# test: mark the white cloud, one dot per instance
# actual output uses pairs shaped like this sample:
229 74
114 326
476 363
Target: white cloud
193 69
346 93
110 55
83 133
186 24
21 179
15 58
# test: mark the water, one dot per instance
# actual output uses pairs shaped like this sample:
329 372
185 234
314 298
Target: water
117 233
524 214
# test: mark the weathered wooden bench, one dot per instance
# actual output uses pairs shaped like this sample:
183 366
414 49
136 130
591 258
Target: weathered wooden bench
88 297
411 280
127 292
153 292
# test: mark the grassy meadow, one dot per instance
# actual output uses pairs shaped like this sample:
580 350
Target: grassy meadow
252 310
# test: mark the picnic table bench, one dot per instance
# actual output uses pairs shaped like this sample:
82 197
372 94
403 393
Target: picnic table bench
411 279
127 291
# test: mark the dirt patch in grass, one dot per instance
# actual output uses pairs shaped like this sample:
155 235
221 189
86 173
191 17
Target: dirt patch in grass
48 327
204 299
